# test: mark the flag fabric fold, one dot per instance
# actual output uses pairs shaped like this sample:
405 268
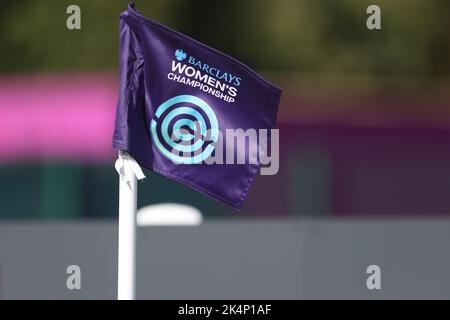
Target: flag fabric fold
177 100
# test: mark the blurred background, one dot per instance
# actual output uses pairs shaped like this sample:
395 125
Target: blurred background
364 118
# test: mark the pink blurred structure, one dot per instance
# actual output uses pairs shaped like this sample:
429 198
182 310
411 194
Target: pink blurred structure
372 154
71 116
65 116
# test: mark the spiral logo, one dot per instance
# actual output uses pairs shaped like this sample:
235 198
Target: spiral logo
185 129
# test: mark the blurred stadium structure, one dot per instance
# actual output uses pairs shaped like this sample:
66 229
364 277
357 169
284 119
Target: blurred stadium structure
364 118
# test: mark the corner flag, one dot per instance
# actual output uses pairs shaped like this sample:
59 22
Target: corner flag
179 100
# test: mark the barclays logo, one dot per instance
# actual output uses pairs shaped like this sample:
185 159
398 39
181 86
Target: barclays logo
217 73
180 54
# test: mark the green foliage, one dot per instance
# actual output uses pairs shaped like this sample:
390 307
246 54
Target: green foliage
305 35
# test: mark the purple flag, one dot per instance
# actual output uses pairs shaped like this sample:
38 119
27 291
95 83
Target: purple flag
179 100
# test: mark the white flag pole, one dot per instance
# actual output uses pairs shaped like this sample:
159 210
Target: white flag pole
129 171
